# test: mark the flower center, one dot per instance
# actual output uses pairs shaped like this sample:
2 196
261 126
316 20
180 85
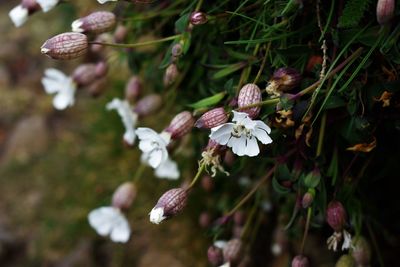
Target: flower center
239 130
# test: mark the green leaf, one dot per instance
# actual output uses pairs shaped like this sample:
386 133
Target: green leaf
333 169
182 23
353 13
228 70
209 101
278 187
312 180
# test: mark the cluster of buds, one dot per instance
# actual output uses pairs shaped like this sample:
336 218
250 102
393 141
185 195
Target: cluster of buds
19 14
385 11
180 125
300 261
249 94
336 217
283 79
96 22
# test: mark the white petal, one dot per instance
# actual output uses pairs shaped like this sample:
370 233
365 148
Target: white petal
101 219
239 116
65 97
146 146
220 244
146 133
238 145
157 215
252 148
18 15
222 133
105 1
76 26
121 230
129 118
261 131
263 126
168 170
54 81
155 158
347 240
47 5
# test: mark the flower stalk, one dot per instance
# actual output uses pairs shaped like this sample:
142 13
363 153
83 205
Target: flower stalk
166 39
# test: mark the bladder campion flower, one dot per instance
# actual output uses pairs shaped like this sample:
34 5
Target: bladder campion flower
64 88
153 146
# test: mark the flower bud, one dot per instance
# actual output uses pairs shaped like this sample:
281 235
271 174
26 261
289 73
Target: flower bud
170 204
308 198
96 22
97 87
385 11
361 252
30 5
120 33
171 73
205 219
84 74
124 195
69 45
215 256
248 95
180 125
212 118
300 261
177 50
101 69
345 261
147 105
198 18
233 251
336 215
286 78
133 88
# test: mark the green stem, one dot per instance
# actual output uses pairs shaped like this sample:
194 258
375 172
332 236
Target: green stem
199 172
262 103
198 6
321 135
303 242
262 63
166 39
138 173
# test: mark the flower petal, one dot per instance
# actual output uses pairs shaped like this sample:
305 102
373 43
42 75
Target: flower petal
18 15
101 219
168 170
222 133
238 145
121 230
129 118
47 5
252 148
155 158
239 116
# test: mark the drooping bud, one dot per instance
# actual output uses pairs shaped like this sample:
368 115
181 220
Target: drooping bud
180 125
361 252
124 195
212 118
101 69
147 105
286 78
385 11
215 256
300 261
96 22
308 198
336 215
120 33
198 18
170 204
69 45
133 88
170 75
97 87
345 261
177 50
84 74
233 251
248 95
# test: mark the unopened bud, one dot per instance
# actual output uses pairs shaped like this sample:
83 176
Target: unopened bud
96 22
30 5
361 252
170 204
177 50
308 199
133 88
336 215
84 74
345 261
233 251
97 87
385 11
170 75
215 256
120 33
212 118
69 45
101 69
198 18
300 261
248 95
147 105
124 195
180 125
286 78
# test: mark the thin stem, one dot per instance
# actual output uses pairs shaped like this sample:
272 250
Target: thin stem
166 39
303 241
198 6
197 176
138 173
262 63
321 135
262 103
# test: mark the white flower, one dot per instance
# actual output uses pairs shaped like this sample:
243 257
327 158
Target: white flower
153 146
167 170
242 135
221 244
109 221
337 237
19 15
105 1
226 264
129 118
76 26
347 240
157 215
47 5
56 82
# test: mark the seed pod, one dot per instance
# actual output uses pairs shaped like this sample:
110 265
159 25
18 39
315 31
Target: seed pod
300 261
361 252
124 195
120 33
101 69
286 78
345 261
385 11
170 75
336 215
96 22
215 256
170 204
212 118
248 95
133 88
147 105
233 251
84 74
180 125
69 45
198 18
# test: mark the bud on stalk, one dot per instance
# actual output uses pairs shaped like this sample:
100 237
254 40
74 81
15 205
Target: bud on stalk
147 105
385 11
124 195
336 215
171 73
307 200
212 118
133 88
233 251
170 204
177 50
215 256
97 87
286 78
120 33
180 125
198 18
69 45
248 95
96 22
101 69
84 74
300 261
